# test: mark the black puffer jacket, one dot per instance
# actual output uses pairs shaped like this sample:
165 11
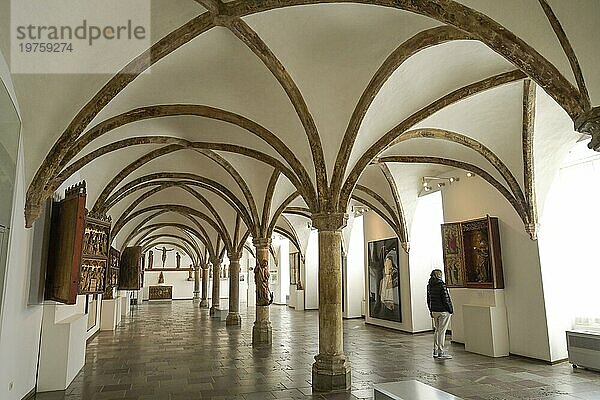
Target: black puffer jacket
438 298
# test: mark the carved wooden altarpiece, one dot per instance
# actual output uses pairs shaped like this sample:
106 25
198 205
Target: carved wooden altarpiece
95 249
472 256
65 248
112 278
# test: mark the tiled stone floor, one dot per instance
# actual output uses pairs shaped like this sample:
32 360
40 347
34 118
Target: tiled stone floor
174 351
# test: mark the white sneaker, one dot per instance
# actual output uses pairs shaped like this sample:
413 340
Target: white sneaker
445 356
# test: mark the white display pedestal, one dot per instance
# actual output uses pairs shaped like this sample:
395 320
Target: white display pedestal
111 314
293 301
62 350
124 298
486 330
299 300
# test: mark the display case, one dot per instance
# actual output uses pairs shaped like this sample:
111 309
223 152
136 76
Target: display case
472 254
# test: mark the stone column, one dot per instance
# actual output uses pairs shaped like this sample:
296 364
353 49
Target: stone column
331 370
262 331
196 284
216 288
233 318
204 301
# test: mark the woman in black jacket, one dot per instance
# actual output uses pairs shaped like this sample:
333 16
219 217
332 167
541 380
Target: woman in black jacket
440 309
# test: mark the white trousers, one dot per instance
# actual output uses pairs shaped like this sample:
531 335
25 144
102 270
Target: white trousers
441 320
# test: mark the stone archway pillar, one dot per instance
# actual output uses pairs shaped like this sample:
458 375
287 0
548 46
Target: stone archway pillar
233 318
196 284
262 331
216 287
331 370
205 277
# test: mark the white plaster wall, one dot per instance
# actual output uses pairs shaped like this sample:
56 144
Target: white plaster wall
528 331
182 288
569 260
425 255
282 288
355 271
310 272
21 324
376 229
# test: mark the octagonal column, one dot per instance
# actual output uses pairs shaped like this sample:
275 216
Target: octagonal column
262 331
233 318
216 287
196 284
331 370
204 301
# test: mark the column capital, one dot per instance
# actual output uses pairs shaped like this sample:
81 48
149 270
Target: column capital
216 261
589 122
329 221
261 242
234 256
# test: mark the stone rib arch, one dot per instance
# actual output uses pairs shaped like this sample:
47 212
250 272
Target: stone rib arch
388 138
152 238
197 110
279 212
208 244
166 243
478 25
184 179
123 219
480 148
420 41
154 227
517 206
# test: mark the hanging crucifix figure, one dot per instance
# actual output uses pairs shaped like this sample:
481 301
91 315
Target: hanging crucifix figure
164 254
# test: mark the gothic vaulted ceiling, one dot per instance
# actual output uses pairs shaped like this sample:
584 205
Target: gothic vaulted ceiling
258 113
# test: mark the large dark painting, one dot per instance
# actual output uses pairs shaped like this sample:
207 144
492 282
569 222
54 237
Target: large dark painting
130 268
384 280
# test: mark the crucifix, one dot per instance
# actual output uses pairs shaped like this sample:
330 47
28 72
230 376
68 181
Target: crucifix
164 254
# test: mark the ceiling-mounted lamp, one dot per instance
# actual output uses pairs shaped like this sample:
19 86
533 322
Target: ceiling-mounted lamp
470 174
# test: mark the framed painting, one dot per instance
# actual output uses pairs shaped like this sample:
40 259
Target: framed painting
452 245
384 280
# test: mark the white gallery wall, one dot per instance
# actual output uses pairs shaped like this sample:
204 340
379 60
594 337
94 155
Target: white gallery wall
568 240
354 286
472 198
310 272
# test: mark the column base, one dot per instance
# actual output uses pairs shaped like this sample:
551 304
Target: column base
262 334
204 303
233 318
213 310
196 297
331 373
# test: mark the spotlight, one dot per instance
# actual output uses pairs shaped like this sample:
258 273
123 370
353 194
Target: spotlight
427 188
453 179
469 174
441 184
425 183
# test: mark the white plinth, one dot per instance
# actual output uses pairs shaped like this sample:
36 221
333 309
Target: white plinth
111 314
124 304
62 351
292 301
299 300
409 390
486 330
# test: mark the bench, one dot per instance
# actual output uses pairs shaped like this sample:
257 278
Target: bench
410 390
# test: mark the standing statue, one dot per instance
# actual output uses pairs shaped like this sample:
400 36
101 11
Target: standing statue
190 278
178 257
164 254
161 278
150 259
264 297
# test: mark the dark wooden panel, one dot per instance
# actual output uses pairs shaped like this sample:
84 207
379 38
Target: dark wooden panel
64 253
160 292
454 263
130 268
112 279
